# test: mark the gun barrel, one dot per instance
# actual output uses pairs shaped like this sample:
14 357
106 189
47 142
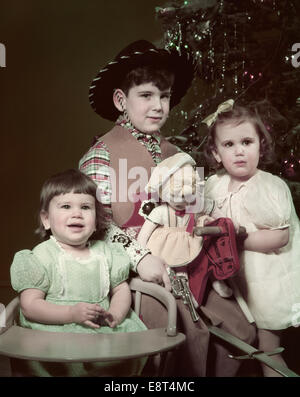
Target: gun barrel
181 289
188 300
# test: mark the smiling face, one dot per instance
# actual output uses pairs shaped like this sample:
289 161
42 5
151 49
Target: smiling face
147 106
237 146
71 218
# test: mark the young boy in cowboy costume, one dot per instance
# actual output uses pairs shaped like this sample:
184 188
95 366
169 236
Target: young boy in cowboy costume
136 91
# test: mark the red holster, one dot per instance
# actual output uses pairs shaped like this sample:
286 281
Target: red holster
218 257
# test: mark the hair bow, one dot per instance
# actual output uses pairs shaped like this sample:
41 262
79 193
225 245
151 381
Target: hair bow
223 107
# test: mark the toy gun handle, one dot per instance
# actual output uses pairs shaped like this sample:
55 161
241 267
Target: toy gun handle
181 289
216 231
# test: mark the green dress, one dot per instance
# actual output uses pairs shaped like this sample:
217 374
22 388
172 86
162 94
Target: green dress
66 280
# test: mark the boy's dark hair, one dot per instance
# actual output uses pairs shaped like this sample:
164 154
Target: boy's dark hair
238 115
160 76
66 182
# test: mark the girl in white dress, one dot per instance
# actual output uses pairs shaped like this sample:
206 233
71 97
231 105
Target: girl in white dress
269 278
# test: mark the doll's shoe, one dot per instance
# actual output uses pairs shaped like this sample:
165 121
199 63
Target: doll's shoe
222 289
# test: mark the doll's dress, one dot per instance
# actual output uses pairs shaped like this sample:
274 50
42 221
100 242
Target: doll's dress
170 240
66 281
269 283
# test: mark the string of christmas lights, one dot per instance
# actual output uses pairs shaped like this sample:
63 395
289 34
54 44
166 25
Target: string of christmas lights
243 50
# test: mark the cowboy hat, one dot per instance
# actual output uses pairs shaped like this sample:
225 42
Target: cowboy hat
136 54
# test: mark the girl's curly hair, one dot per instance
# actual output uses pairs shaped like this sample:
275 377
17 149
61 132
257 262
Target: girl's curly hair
237 115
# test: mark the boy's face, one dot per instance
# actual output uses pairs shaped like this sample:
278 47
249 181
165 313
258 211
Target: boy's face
147 107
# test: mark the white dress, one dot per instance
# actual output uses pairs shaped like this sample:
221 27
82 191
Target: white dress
269 283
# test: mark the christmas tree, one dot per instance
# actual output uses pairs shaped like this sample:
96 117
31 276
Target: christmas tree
245 50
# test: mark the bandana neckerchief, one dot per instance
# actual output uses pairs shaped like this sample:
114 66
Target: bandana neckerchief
151 141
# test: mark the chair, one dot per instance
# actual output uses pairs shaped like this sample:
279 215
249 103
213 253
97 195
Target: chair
28 344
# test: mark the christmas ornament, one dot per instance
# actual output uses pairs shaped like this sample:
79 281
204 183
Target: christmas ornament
291 167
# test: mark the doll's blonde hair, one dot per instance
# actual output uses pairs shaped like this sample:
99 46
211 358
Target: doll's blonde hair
182 184
174 177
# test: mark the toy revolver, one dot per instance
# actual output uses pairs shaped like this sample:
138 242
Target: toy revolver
181 289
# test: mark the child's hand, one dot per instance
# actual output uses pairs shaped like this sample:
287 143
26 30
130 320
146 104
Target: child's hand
204 220
152 268
87 313
112 321
208 220
106 319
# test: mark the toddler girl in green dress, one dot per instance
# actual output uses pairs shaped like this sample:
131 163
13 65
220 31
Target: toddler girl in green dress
74 281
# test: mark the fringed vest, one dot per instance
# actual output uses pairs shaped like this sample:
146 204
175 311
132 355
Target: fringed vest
131 165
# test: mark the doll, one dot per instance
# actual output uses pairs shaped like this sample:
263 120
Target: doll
168 228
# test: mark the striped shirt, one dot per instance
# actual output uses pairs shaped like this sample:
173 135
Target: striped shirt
95 163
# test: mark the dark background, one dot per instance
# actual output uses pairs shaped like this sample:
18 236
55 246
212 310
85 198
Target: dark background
54 48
